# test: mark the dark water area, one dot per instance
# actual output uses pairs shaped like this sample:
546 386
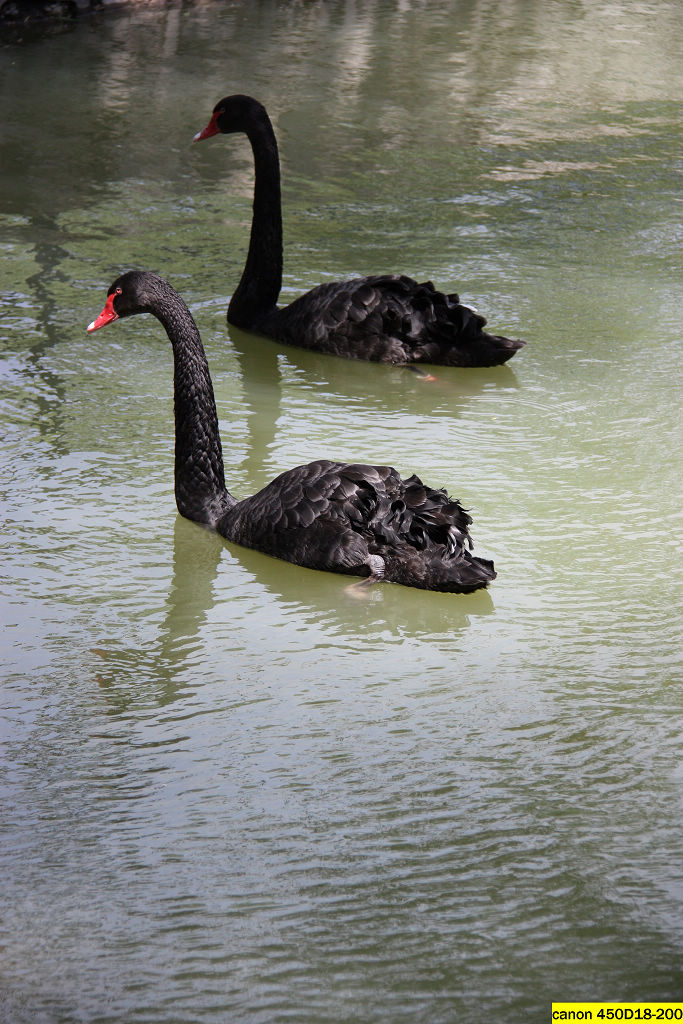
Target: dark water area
229 791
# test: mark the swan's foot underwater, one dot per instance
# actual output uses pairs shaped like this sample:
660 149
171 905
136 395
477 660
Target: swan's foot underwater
360 588
423 375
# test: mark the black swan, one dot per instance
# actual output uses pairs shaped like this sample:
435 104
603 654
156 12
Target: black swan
360 520
386 318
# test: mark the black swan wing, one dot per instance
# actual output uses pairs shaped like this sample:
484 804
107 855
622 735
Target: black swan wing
389 318
337 516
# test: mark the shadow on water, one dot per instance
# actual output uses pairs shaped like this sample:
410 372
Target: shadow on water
304 599
47 390
128 675
311 598
377 386
266 366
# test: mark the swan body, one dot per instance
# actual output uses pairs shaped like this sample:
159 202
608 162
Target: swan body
358 520
387 318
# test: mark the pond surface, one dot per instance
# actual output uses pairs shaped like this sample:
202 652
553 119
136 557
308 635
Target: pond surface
229 791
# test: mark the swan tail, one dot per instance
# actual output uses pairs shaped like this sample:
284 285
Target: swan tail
454 335
461 575
494 349
471 573
424 537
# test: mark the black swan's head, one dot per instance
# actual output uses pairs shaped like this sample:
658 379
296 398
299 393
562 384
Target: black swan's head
133 292
233 114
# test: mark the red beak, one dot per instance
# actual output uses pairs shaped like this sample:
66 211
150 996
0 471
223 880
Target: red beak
211 129
107 316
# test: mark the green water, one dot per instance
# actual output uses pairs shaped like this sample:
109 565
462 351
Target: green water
229 791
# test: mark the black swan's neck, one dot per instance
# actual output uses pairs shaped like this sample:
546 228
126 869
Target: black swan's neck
259 288
200 488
